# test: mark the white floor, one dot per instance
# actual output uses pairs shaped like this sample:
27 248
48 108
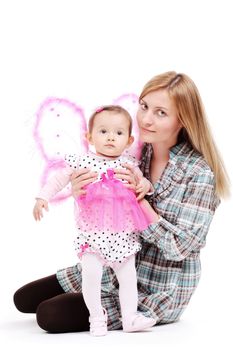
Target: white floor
206 323
191 332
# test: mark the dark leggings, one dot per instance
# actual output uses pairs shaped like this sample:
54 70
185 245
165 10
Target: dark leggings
56 311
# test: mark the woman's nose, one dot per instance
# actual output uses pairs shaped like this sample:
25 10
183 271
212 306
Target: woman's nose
147 118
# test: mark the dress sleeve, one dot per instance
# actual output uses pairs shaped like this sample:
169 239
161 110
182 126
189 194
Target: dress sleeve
195 212
55 183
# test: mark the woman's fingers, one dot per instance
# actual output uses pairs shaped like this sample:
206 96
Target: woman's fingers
83 183
128 166
128 178
80 179
140 196
125 174
82 192
83 178
130 186
82 174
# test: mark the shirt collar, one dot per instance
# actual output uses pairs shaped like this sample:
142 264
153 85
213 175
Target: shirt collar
176 152
180 150
175 168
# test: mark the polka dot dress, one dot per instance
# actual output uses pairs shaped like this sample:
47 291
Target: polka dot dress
110 246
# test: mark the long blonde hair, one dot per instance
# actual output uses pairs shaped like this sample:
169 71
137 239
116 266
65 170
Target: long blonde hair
191 113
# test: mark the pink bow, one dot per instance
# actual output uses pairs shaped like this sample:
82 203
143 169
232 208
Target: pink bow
83 247
99 109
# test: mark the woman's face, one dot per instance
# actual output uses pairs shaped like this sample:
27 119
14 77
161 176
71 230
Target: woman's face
157 119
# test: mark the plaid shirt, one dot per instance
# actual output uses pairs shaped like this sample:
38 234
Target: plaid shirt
168 265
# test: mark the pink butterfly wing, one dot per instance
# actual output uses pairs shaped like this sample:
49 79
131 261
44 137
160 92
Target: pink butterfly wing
60 128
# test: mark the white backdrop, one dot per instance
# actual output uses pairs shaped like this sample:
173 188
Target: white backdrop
90 52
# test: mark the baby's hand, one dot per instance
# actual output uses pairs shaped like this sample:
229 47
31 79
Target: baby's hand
143 187
38 208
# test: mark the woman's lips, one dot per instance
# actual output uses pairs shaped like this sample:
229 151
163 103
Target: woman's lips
146 130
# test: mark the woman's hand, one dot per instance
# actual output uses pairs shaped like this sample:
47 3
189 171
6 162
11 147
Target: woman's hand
128 175
135 180
80 179
143 187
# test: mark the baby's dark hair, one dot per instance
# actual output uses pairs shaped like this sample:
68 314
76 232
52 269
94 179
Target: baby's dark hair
110 108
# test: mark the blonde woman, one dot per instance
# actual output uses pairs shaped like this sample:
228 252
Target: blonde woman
181 160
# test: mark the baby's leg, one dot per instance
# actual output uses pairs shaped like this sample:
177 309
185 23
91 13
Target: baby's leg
92 270
128 294
127 278
91 283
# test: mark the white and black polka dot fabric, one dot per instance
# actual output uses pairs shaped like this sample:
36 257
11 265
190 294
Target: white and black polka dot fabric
111 246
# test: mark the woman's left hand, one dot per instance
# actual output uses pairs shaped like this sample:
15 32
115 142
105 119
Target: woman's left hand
128 175
131 177
135 180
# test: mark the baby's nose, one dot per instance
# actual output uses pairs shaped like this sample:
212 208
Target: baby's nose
110 136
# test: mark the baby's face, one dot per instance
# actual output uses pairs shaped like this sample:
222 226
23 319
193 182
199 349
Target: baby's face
110 134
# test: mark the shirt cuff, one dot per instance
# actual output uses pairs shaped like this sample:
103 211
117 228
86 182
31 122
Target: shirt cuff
151 190
42 196
153 232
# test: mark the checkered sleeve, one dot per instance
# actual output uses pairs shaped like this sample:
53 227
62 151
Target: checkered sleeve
186 234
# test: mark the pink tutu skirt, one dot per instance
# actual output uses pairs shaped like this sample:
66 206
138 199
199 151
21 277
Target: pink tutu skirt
109 206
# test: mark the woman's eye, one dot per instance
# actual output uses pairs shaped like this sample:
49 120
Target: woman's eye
143 106
161 113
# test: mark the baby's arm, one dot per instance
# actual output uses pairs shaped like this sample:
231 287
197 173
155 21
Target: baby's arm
55 184
144 186
38 208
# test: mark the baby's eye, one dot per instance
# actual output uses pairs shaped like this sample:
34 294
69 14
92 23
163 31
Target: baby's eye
119 132
103 131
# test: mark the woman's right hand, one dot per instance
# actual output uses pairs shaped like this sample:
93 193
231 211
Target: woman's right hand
81 178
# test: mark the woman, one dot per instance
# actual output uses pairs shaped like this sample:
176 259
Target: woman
181 160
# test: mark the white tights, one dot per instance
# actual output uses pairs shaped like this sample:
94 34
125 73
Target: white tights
92 269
